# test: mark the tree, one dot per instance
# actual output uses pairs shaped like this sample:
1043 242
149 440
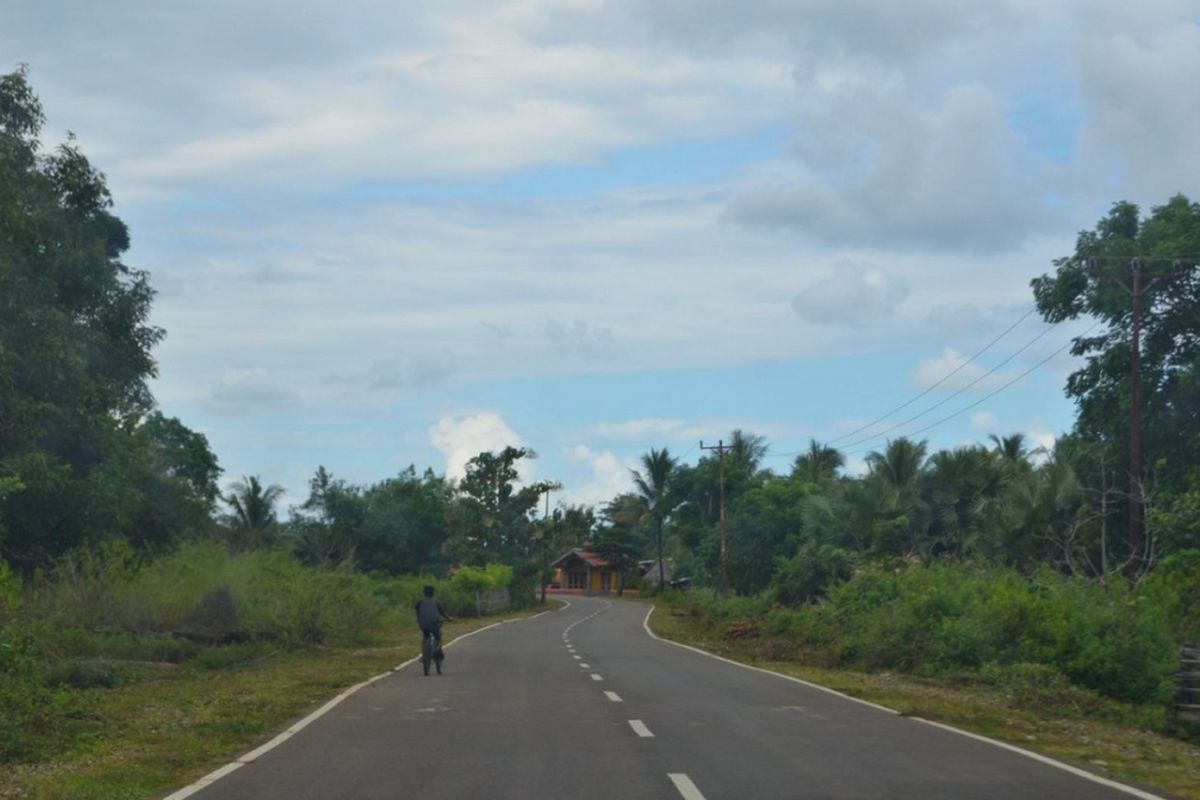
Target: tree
900 464
497 520
819 464
747 450
252 521
328 525
407 523
653 484
77 430
1096 282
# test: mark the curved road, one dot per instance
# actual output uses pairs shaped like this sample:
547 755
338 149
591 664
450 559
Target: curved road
583 703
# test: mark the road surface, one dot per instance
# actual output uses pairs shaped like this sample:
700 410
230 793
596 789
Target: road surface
584 703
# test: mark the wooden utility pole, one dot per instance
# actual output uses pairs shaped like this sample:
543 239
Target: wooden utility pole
1140 281
721 449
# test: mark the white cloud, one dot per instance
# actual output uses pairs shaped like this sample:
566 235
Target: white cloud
1041 439
853 293
605 475
969 376
461 438
985 420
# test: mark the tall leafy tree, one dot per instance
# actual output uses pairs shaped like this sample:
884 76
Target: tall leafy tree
328 524
497 511
77 433
1096 281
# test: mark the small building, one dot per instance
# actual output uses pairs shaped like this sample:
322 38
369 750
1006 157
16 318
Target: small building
582 571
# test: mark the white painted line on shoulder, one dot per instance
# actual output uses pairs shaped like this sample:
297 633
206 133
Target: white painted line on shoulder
640 729
685 786
1130 790
211 777
1082 773
616 698
817 686
596 677
282 737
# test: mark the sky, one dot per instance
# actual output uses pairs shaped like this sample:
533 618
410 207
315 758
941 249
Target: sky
393 233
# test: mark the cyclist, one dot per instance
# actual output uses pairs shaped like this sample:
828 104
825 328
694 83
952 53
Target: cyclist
430 615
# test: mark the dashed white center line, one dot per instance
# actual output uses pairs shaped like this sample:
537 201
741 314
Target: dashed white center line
614 697
596 677
585 666
640 729
576 657
685 786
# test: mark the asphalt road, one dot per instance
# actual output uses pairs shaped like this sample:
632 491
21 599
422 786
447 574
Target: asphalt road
583 703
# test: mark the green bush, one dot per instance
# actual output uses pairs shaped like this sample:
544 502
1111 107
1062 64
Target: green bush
948 618
809 573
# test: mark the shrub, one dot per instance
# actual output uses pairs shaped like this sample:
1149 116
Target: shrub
809 573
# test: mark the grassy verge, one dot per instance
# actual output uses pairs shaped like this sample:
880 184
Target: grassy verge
1104 736
169 725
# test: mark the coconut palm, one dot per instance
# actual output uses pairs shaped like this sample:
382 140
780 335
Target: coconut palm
652 484
253 510
1011 448
900 464
747 449
819 463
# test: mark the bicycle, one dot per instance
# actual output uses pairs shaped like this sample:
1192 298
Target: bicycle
431 653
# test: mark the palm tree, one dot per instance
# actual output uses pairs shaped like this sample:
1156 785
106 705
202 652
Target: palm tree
747 449
253 508
821 463
651 484
900 464
1011 448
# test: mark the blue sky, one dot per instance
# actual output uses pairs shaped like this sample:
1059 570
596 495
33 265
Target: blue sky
388 233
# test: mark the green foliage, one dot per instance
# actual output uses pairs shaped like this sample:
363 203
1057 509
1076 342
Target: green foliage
83 455
810 573
482 579
947 618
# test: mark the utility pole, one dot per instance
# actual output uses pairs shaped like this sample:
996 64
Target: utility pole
721 449
545 533
1140 281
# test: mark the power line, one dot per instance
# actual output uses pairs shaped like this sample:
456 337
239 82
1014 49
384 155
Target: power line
989 395
962 389
944 378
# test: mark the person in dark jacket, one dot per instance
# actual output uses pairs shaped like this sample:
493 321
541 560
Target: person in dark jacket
430 615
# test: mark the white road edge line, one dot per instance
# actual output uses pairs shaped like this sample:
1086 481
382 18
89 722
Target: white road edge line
596 677
1082 773
685 786
616 698
262 749
640 729
653 635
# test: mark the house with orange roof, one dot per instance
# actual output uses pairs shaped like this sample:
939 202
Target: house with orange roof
582 571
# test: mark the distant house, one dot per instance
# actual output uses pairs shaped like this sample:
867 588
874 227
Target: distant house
585 572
